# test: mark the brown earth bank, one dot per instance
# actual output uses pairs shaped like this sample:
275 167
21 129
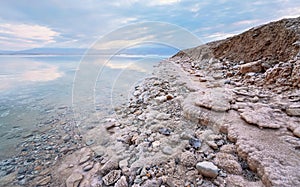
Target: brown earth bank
222 114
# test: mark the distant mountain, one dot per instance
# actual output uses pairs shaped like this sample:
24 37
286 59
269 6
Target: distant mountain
47 51
137 50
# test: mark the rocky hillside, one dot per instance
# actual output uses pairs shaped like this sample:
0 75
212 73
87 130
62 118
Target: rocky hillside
266 56
251 81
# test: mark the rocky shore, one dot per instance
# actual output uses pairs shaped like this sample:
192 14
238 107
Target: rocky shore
222 114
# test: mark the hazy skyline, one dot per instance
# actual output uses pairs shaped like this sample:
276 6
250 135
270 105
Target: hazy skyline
72 23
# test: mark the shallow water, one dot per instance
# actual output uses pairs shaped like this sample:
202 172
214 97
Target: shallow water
33 89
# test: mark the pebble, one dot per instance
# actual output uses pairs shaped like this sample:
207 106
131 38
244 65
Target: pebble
88 167
44 181
207 169
160 99
20 177
66 138
84 159
296 132
195 143
212 144
156 144
90 142
74 180
165 131
108 166
167 150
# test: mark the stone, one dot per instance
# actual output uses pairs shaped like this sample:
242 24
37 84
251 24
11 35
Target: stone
84 159
251 67
163 116
296 132
152 183
112 164
167 150
156 144
293 110
212 144
170 97
112 177
228 162
207 169
188 159
44 181
195 143
123 163
66 138
122 182
89 142
160 99
165 131
74 180
88 167
22 170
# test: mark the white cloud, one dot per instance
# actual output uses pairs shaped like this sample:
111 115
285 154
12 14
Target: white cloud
145 2
218 36
119 43
24 36
162 2
246 22
290 12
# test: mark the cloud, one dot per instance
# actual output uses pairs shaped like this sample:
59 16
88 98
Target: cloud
145 2
246 22
24 36
291 12
120 44
162 2
218 36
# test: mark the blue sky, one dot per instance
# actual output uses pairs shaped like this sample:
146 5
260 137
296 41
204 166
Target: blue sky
26 24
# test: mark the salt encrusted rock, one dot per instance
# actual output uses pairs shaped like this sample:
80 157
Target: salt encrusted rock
112 177
214 99
293 110
122 182
74 180
262 116
188 159
228 162
239 181
251 67
228 148
207 169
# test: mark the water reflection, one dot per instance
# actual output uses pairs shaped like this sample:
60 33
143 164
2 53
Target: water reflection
15 71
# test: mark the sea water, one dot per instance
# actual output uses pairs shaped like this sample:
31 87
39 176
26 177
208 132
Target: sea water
35 88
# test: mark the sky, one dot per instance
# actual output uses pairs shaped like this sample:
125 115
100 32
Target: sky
26 24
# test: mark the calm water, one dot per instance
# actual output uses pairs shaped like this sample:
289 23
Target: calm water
35 88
